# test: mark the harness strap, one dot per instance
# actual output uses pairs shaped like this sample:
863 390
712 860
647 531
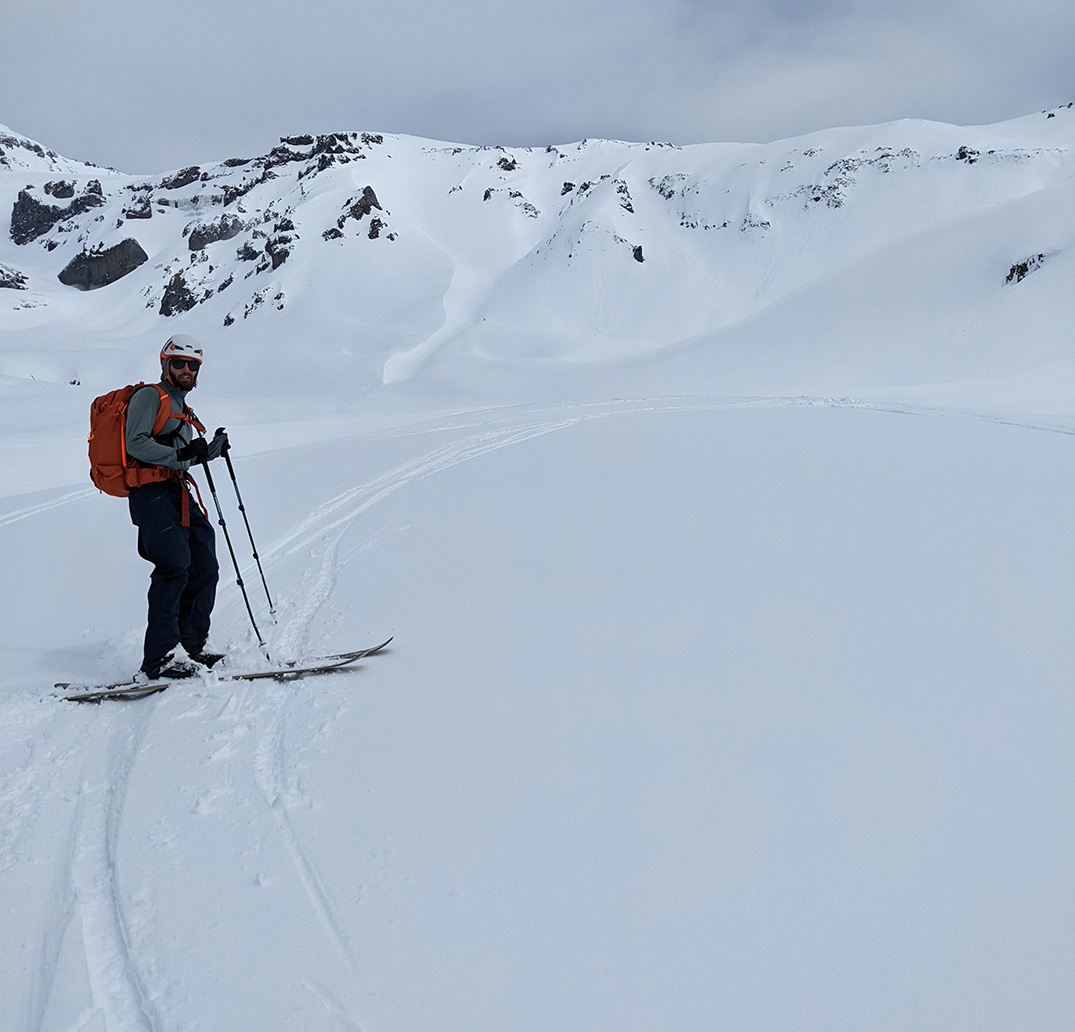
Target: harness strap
186 499
184 505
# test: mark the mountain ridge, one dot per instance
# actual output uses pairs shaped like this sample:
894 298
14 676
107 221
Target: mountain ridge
389 256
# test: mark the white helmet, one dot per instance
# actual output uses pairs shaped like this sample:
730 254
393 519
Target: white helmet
179 345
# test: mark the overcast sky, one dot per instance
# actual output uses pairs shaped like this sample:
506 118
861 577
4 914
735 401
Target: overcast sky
148 85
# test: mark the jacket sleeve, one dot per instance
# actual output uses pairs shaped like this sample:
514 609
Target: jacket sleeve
141 445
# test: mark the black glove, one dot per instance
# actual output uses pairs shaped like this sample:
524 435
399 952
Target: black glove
219 444
196 451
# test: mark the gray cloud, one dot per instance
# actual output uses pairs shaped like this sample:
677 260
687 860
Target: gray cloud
147 86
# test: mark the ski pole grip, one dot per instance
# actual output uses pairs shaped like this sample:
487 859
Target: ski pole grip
227 444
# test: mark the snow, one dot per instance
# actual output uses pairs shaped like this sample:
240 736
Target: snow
731 681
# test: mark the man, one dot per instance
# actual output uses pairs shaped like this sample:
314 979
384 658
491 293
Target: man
173 531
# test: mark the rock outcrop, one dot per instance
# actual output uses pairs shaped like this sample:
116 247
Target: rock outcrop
31 218
11 279
92 269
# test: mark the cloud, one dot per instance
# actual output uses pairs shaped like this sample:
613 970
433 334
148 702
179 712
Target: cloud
148 86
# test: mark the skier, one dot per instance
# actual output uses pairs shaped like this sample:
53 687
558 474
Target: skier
173 531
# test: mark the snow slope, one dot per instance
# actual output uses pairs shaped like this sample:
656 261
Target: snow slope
425 268
731 685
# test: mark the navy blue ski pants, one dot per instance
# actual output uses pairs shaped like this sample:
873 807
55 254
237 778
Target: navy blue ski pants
182 587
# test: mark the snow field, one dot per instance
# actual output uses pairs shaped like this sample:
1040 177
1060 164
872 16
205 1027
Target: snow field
700 713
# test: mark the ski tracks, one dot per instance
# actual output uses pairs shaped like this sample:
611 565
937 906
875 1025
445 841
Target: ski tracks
323 530
36 510
278 777
275 711
86 931
116 983
345 507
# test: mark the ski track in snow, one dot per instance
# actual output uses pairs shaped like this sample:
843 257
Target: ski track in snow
357 500
340 512
35 510
86 895
277 776
333 1007
116 983
315 532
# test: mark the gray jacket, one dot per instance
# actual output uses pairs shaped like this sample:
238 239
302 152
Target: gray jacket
157 450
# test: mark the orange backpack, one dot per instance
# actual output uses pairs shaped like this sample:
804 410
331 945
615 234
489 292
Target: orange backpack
110 467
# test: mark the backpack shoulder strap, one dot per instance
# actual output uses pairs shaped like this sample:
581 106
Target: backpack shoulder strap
190 417
164 413
164 410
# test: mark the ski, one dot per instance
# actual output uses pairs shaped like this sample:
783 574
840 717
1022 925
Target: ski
132 689
140 691
360 654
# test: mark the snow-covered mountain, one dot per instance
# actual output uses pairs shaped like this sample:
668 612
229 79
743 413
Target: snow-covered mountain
720 502
892 253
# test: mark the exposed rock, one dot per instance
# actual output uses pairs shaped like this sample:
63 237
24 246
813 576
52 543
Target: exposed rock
255 303
278 246
329 149
11 279
30 218
248 253
233 193
1020 270
184 177
178 297
967 154
753 221
224 228
140 208
98 268
637 251
60 189
18 143
318 152
668 186
508 164
365 204
277 249
357 209
521 202
567 188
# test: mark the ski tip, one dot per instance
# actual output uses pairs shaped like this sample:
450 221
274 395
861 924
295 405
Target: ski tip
363 653
118 694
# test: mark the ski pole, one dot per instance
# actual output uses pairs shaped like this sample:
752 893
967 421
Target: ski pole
234 562
249 532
